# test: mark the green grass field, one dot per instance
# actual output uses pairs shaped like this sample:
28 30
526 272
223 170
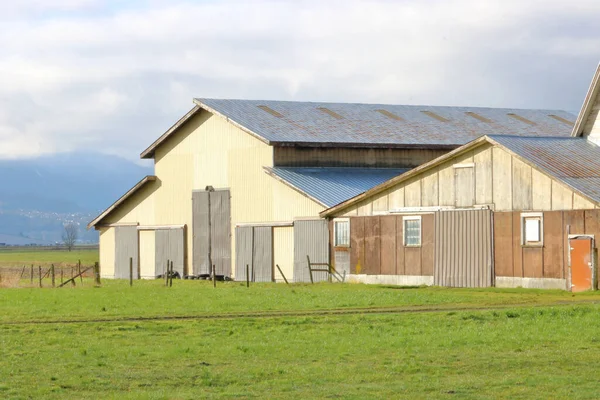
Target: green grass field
44 256
88 342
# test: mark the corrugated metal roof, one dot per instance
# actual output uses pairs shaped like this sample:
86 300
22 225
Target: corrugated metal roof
331 186
574 161
367 124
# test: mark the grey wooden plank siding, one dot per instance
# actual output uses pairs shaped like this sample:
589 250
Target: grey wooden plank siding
463 248
220 237
254 247
200 233
220 215
169 246
126 247
243 251
311 237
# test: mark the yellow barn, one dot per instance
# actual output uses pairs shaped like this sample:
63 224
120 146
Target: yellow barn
239 184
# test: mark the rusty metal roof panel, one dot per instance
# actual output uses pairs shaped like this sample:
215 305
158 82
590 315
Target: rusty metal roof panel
574 161
367 124
331 186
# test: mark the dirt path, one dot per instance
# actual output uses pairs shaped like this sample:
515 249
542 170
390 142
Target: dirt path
305 313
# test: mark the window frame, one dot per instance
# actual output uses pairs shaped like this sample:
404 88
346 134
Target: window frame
412 218
335 221
532 216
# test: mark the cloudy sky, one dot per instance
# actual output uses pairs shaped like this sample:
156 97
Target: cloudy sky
92 75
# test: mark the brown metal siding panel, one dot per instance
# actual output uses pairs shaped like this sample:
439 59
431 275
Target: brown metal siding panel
126 247
428 247
311 237
200 233
243 251
503 236
372 246
553 244
400 262
533 259
388 245
357 245
412 260
592 223
516 245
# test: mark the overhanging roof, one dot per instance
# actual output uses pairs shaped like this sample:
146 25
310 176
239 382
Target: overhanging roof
573 161
329 186
131 192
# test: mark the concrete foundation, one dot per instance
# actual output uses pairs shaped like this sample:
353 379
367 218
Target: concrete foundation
399 280
531 283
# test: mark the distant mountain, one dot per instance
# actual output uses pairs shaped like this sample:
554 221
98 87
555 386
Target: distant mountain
38 195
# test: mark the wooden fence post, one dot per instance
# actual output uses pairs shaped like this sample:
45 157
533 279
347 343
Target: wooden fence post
79 272
97 273
171 276
130 271
167 273
72 275
281 272
61 275
247 276
214 276
40 272
52 274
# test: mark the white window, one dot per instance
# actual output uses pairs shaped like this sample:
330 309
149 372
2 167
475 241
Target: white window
532 229
412 231
341 232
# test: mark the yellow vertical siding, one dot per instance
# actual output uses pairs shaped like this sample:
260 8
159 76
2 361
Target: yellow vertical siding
283 252
147 254
107 252
139 208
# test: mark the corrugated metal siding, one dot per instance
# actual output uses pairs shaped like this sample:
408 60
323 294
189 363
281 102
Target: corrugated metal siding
220 237
221 231
283 252
169 247
311 238
262 265
243 251
254 247
126 247
200 233
463 248
303 122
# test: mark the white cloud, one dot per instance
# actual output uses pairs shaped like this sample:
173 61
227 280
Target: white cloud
85 74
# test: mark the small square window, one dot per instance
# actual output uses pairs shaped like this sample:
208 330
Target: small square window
412 231
532 229
341 232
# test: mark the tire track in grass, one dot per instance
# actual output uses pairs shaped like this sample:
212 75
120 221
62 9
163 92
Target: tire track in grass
303 313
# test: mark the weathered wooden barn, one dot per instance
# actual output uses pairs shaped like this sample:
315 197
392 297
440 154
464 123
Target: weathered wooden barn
502 211
242 182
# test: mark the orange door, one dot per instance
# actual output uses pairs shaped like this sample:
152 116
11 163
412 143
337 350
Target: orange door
581 264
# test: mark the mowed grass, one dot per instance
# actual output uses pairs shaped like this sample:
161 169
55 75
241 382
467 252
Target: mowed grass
38 256
547 351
